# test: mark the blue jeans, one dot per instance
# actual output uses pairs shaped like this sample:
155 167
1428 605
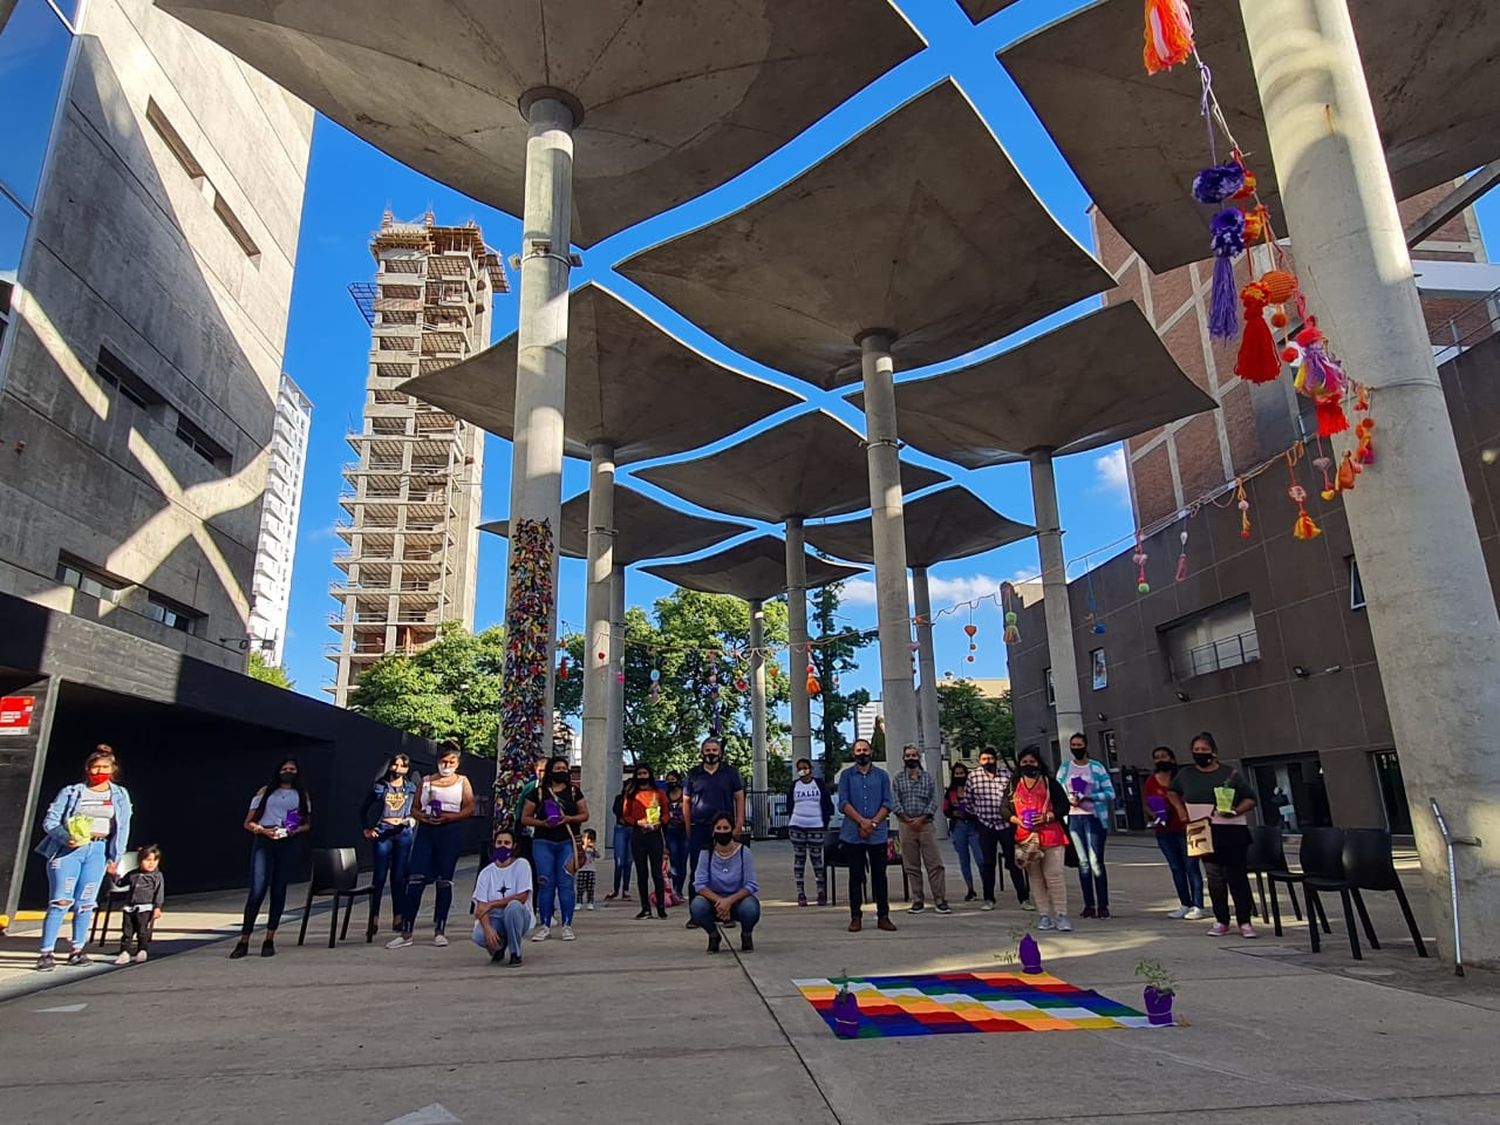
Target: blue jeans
552 882
965 837
270 870
677 856
746 912
392 852
1089 834
623 860
434 856
1187 876
512 920
73 882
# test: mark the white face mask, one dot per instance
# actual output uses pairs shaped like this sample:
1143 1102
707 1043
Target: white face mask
447 771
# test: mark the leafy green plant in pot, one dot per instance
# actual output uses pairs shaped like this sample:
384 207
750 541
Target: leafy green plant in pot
1161 986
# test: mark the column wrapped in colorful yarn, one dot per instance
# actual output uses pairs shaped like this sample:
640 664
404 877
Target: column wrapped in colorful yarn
525 726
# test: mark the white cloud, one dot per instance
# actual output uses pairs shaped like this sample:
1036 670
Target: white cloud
945 591
1112 475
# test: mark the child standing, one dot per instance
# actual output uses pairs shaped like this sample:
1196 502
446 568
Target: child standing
587 874
147 890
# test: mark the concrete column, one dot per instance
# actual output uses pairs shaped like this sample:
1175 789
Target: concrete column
889 529
1432 612
758 699
598 653
796 627
927 696
537 452
615 767
1069 709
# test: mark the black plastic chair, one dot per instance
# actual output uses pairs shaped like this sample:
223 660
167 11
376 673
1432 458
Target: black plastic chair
111 892
1322 860
335 873
1267 856
1370 866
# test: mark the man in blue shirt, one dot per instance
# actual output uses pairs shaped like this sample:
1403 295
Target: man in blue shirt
865 800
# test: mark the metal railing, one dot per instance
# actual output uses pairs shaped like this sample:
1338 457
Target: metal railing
1228 652
1472 325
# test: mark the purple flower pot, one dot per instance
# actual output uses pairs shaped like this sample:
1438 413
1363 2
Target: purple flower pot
846 1014
1031 955
1158 1007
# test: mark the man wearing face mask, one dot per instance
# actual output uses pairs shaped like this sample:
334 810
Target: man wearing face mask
915 805
865 799
986 794
712 788
1171 834
1091 793
502 901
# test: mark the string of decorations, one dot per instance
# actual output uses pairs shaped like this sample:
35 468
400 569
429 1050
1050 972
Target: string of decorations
525 727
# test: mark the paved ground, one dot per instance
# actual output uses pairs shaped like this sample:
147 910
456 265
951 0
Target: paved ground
633 1022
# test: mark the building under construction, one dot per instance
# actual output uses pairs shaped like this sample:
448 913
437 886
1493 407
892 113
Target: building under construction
412 494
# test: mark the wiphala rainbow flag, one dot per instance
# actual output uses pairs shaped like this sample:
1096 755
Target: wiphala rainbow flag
961 1003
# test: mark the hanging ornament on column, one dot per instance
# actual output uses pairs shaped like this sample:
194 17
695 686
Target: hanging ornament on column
1364 430
562 667
1012 628
1304 528
1182 557
813 687
655 685
1324 464
1322 379
1348 470
1139 558
971 629
1169 35
1242 502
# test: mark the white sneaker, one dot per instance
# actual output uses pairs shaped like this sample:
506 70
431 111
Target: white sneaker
440 940
541 933
1195 914
568 934
1044 922
1180 912
123 959
1028 905
140 957
400 941
1248 931
589 906
1063 924
987 905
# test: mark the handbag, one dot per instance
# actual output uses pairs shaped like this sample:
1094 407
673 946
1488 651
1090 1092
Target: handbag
1200 838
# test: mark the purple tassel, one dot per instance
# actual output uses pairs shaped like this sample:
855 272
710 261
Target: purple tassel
1219 182
1224 308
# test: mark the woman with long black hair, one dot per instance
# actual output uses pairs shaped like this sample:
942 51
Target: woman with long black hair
279 813
555 812
646 813
390 827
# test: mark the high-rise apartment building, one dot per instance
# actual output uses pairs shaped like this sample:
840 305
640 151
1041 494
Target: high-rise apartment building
412 494
271 594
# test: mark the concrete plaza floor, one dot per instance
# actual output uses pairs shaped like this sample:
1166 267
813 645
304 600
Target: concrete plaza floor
633 1022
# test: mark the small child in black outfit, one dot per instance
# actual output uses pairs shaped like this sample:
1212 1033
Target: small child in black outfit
588 873
147 891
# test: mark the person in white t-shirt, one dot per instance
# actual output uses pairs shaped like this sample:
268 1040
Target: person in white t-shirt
502 901
809 809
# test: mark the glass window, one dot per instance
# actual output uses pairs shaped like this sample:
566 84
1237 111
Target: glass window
33 54
86 582
13 224
1217 638
1356 587
171 615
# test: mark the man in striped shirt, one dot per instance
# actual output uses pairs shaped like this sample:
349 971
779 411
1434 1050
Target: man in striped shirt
985 793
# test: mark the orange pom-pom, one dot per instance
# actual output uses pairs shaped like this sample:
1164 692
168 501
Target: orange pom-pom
1280 286
1289 354
1248 192
1255 224
1278 319
1169 35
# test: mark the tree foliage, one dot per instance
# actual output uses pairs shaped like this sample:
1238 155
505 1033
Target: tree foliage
267 673
450 689
971 720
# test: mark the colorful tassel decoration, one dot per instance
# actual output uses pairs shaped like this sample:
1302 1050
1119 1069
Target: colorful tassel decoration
1139 558
1182 558
1219 182
1243 503
1323 464
1169 35
1364 431
1258 361
1012 630
1227 229
1331 417
1348 470
1305 528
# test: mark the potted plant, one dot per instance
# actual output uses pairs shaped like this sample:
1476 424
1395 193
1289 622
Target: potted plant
846 1011
1161 986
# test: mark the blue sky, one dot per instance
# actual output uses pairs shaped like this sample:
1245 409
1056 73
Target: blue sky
350 184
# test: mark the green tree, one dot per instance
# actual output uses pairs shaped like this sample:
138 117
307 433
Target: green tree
833 655
267 673
971 720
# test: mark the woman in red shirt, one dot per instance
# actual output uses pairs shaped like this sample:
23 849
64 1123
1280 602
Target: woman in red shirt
1033 805
645 811
1171 835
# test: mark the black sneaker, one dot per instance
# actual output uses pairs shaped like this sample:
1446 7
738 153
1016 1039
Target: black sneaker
645 913
714 940
515 960
747 943
944 908
241 948
915 908
691 925
497 956
971 896
268 948
78 958
45 963
661 912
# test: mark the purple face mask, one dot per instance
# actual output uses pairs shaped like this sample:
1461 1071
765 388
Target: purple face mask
501 854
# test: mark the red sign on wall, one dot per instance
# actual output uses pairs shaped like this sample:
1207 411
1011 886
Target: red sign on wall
15 713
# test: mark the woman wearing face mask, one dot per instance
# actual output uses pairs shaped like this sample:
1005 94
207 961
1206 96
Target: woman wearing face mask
646 813
1035 806
390 826
962 829
444 801
810 808
553 812
724 887
502 901
1091 795
279 813
1202 792
1171 834
85 832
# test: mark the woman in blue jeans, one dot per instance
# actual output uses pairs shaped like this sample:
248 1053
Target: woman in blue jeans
624 862
963 829
86 829
390 826
279 813
1171 835
677 838
554 813
724 887
1091 793
444 801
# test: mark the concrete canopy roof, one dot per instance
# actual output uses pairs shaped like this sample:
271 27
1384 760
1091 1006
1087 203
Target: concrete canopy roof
754 571
1099 379
676 97
644 529
920 227
1136 141
978 10
951 523
812 465
629 383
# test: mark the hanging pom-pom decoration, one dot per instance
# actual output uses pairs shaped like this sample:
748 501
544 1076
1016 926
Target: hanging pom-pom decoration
1304 528
1242 502
1227 230
1361 398
1169 35
1365 432
1280 286
1012 630
1182 558
1331 417
1219 182
742 684
619 677
1258 361
1323 464
562 667
1348 470
1139 558
813 686
655 685
1322 379
1247 191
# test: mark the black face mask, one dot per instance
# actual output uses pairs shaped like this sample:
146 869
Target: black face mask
1166 767
723 838
710 759
1031 769
560 778
862 759
1079 752
960 781
989 767
288 777
913 764
1203 759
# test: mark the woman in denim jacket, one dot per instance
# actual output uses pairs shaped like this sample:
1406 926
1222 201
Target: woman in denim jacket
86 828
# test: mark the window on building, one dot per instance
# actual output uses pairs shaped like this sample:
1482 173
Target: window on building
87 580
236 228
192 436
116 374
1051 690
1356 587
172 615
173 140
1220 637
5 293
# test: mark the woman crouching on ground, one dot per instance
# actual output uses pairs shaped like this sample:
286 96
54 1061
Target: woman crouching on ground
724 887
502 901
